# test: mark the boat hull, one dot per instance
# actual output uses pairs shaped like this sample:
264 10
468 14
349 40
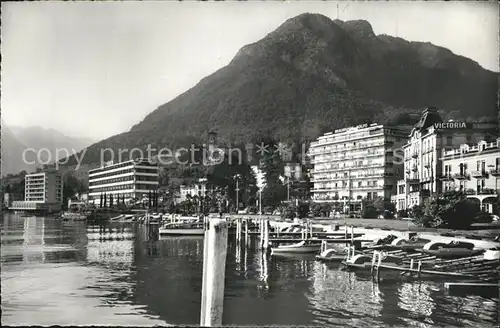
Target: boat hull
182 232
296 250
331 258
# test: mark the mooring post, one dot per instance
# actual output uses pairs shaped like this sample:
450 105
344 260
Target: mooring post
419 268
323 246
266 235
352 235
374 258
238 230
214 267
261 228
379 262
246 230
411 264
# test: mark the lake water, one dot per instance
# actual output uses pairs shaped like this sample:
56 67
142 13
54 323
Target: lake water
71 273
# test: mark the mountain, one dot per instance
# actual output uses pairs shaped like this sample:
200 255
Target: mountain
12 153
15 140
312 75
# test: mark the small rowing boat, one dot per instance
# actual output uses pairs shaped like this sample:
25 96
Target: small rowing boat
364 261
332 255
302 247
183 229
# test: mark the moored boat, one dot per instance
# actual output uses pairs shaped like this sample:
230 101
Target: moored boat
301 247
66 216
332 255
183 229
364 261
450 253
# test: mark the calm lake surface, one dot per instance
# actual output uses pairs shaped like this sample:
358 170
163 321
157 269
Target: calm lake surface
71 273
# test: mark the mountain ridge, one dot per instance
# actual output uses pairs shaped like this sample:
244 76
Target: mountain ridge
15 140
312 75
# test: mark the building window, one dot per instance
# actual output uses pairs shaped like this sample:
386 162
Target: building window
449 140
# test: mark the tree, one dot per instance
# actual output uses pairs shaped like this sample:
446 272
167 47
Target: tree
71 187
273 167
453 210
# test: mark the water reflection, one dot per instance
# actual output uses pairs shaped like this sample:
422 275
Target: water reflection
123 274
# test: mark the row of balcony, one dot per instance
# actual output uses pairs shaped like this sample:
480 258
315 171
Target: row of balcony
343 158
467 176
353 188
484 191
315 151
349 168
359 176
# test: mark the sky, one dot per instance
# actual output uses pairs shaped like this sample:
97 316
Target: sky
94 69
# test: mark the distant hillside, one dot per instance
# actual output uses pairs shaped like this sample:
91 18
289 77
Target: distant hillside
313 75
12 154
16 139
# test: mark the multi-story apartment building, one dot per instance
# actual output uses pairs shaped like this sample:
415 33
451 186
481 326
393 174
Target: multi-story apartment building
422 152
474 169
44 187
42 191
356 163
133 179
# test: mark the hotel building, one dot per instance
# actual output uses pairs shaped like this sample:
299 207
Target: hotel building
474 169
42 191
356 163
129 180
426 143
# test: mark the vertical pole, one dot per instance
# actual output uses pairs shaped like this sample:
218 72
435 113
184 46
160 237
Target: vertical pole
266 236
419 268
374 259
246 230
379 261
238 229
323 246
204 277
411 264
262 233
237 197
260 201
352 235
214 267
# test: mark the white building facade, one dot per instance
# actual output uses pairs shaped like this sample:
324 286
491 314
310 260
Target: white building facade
474 169
194 189
130 180
356 163
42 191
422 155
44 187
